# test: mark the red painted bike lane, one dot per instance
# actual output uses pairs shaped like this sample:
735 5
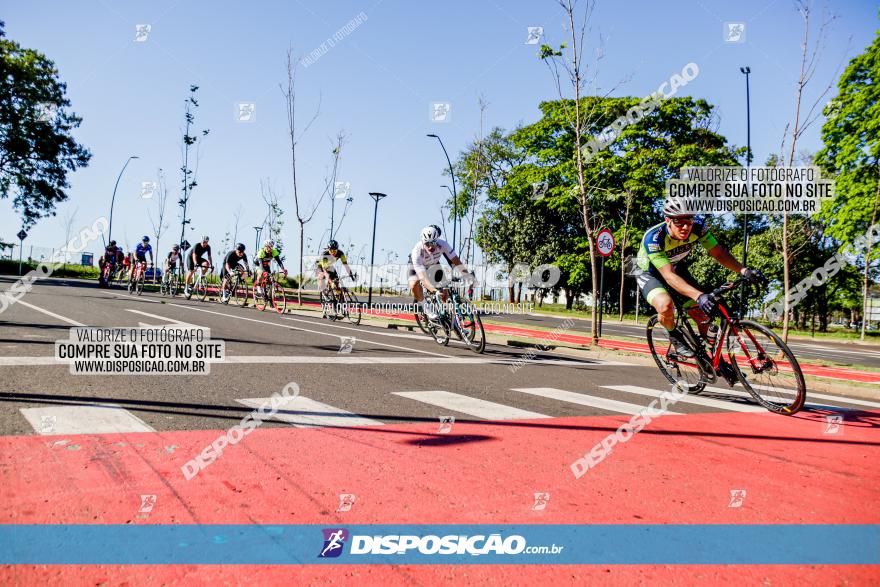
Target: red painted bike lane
679 470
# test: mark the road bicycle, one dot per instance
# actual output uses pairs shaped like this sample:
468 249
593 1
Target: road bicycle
271 293
456 314
170 283
342 301
236 288
108 273
757 356
136 281
199 284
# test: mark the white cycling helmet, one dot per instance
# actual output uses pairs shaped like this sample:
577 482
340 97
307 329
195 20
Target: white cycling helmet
268 243
430 234
674 208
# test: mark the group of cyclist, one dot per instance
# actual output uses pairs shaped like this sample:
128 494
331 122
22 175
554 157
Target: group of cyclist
199 256
659 271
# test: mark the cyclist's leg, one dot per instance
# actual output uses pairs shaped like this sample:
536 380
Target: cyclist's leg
689 305
656 294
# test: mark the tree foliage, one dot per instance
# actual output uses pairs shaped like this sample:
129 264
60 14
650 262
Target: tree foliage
37 148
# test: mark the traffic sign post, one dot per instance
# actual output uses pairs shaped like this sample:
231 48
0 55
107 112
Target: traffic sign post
21 236
605 246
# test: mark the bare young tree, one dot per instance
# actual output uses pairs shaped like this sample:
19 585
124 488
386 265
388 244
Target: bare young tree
158 223
302 216
800 123
623 242
574 67
236 217
67 218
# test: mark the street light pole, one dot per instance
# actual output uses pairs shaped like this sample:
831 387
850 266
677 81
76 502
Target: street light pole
376 196
258 230
113 200
746 71
454 194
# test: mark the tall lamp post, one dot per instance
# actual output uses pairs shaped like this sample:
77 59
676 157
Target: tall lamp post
746 71
258 230
376 197
113 200
454 195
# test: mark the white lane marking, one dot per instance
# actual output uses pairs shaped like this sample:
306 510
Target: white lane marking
305 412
581 399
48 313
318 359
352 360
339 336
29 361
166 319
97 419
810 395
691 399
469 405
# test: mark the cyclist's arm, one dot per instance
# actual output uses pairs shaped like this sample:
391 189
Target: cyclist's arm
150 250
677 283
277 257
724 257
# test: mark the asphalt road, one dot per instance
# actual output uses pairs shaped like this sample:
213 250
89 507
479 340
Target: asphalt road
387 377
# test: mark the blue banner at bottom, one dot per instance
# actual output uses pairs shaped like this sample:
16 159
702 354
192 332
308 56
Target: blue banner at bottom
624 544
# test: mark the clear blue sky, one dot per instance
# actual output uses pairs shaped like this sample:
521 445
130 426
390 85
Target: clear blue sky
376 85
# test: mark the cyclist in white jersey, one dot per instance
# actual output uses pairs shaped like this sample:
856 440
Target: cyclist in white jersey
424 268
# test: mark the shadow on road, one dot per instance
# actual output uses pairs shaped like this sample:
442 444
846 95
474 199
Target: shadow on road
236 413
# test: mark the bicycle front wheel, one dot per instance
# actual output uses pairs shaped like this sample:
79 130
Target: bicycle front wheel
676 369
279 298
471 328
202 289
352 308
766 367
240 292
139 285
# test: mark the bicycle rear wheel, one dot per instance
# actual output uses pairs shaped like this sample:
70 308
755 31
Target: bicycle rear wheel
352 307
139 284
675 369
767 368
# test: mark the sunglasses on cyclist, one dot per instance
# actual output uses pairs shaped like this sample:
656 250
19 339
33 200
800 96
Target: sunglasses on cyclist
430 243
682 222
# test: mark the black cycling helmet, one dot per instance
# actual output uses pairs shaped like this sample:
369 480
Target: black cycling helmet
333 245
239 247
146 239
112 243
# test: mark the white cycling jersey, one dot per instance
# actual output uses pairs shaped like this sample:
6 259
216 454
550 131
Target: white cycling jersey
422 259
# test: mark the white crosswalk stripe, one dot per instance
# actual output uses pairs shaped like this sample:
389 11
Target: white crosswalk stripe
305 412
744 394
95 419
611 405
810 395
691 399
470 405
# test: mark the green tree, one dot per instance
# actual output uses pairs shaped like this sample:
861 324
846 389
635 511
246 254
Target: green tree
851 135
37 149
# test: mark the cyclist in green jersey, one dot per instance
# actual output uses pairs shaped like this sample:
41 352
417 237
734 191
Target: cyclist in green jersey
660 275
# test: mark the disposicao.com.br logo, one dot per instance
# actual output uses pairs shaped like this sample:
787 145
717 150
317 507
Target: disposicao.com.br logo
431 544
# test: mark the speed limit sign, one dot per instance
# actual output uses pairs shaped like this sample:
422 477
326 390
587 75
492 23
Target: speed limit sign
605 242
